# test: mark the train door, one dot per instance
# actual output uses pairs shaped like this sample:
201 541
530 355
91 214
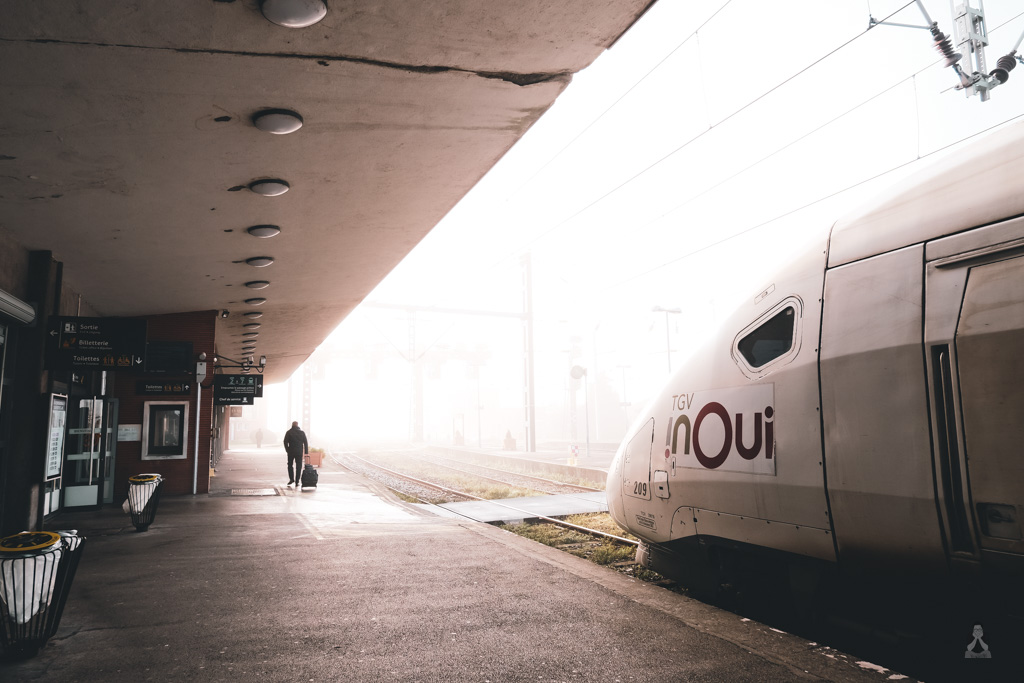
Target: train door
636 478
974 341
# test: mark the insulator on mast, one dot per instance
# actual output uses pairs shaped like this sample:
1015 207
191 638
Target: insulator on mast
1004 65
943 45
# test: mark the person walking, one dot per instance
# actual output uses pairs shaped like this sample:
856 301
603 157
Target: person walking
297 446
259 438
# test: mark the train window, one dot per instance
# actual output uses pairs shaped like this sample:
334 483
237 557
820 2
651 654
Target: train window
769 341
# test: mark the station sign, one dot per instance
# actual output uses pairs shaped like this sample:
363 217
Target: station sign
236 390
96 343
147 387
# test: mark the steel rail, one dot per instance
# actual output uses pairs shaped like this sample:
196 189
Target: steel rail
411 478
529 514
517 474
483 476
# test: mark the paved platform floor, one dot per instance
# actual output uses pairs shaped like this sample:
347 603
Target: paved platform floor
346 583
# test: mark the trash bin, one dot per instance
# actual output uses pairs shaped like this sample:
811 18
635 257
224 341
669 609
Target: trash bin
36 570
143 497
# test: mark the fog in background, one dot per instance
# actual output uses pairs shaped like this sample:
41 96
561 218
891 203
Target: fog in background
701 152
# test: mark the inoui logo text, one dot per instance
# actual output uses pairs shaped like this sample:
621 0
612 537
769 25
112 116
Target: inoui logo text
724 429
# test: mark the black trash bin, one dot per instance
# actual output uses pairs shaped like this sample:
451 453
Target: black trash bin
143 498
36 570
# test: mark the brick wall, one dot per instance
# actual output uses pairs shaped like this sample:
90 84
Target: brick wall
199 328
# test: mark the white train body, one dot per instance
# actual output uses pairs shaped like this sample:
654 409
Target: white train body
866 409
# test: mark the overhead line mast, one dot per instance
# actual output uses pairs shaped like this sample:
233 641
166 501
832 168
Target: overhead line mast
971 41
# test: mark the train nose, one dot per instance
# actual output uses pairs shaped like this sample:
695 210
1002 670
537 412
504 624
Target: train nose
613 488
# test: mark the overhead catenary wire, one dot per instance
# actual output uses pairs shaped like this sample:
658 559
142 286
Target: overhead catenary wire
773 219
694 139
746 168
798 209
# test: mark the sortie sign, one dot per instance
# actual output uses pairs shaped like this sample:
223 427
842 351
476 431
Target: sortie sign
96 343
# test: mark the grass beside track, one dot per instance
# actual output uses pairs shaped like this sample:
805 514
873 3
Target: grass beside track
599 551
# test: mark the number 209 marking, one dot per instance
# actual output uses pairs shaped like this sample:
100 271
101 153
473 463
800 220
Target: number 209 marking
640 489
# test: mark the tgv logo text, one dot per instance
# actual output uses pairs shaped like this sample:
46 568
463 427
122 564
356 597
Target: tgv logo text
724 429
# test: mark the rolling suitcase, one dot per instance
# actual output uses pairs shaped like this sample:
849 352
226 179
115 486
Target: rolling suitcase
309 475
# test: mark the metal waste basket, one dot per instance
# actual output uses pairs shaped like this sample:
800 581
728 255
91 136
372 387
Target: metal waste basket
143 498
36 570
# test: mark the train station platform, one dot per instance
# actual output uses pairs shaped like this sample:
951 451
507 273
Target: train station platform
260 581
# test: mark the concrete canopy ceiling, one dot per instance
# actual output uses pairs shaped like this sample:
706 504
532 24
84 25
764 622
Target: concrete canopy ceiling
127 143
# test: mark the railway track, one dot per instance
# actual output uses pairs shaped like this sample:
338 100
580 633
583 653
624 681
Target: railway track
462 495
559 486
447 493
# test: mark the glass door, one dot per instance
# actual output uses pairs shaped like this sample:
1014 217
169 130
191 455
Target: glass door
84 453
109 448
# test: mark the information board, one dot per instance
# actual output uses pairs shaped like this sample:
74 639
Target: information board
152 387
96 343
236 390
55 435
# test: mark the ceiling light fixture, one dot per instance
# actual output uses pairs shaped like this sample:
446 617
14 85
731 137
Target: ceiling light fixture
257 284
264 230
260 261
269 187
277 121
294 13
253 314
256 301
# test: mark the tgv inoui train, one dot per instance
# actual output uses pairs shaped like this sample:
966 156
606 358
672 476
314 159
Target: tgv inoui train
866 408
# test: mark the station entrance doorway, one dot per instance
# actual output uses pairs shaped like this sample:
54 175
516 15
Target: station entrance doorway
90 451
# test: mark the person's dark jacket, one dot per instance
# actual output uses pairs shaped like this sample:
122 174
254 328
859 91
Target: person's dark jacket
295 441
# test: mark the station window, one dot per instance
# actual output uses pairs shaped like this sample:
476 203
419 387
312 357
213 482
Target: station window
165 430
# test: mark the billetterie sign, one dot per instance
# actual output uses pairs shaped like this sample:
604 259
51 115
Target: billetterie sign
96 343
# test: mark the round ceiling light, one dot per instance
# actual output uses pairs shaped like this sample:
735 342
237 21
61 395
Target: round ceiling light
264 230
277 121
257 301
294 13
260 261
257 284
253 314
270 187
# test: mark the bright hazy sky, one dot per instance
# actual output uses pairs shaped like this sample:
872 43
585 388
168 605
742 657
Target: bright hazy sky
682 168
